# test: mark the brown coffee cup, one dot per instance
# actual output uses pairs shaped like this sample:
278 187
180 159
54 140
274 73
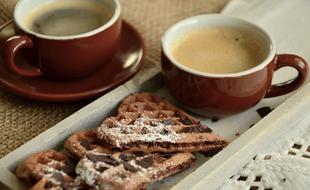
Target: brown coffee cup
210 94
61 56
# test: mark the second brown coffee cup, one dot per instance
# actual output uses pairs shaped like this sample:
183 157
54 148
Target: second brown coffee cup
50 47
220 94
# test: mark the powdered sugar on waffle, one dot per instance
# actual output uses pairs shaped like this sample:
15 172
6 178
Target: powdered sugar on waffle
113 175
106 174
143 129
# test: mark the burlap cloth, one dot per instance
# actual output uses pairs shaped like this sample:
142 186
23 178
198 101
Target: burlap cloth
22 119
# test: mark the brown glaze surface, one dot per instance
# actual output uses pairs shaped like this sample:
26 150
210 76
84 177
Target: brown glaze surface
223 96
288 60
126 62
64 58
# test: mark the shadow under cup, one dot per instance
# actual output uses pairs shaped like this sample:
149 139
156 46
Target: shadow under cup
210 94
62 57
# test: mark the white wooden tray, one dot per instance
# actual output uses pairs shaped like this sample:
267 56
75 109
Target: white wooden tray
206 172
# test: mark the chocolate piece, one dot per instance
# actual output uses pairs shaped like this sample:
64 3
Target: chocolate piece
146 161
102 169
86 144
130 167
264 111
186 121
68 169
165 132
126 156
168 122
196 129
102 158
166 155
130 175
139 154
69 166
58 177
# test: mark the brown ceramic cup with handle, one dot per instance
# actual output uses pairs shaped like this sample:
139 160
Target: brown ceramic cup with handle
62 57
210 94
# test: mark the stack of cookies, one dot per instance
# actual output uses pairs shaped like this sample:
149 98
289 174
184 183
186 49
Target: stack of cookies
148 140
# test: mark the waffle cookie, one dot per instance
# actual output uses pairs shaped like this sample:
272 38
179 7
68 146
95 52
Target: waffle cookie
47 170
138 132
58 181
156 107
42 163
81 142
120 171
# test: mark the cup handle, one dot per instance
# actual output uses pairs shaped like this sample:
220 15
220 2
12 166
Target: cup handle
287 60
9 50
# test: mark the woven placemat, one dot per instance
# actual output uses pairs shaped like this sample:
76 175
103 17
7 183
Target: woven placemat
22 119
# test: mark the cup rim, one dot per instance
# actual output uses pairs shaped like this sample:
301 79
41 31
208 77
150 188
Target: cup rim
115 17
263 64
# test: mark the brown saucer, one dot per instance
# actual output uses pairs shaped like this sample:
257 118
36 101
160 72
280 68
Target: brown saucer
124 65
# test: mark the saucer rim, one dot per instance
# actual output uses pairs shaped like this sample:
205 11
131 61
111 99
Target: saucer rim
87 94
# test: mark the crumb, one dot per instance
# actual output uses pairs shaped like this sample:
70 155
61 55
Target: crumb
237 134
215 119
251 126
264 111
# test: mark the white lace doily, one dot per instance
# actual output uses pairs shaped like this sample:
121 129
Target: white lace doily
286 168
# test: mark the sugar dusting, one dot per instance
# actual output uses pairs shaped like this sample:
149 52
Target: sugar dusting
87 171
143 129
118 177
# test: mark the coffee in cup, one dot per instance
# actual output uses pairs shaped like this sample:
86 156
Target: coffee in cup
236 63
219 50
66 18
63 39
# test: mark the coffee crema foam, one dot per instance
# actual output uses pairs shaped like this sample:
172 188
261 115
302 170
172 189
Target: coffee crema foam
219 50
66 18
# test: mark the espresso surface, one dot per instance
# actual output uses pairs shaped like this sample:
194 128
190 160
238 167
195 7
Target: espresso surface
65 18
218 50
